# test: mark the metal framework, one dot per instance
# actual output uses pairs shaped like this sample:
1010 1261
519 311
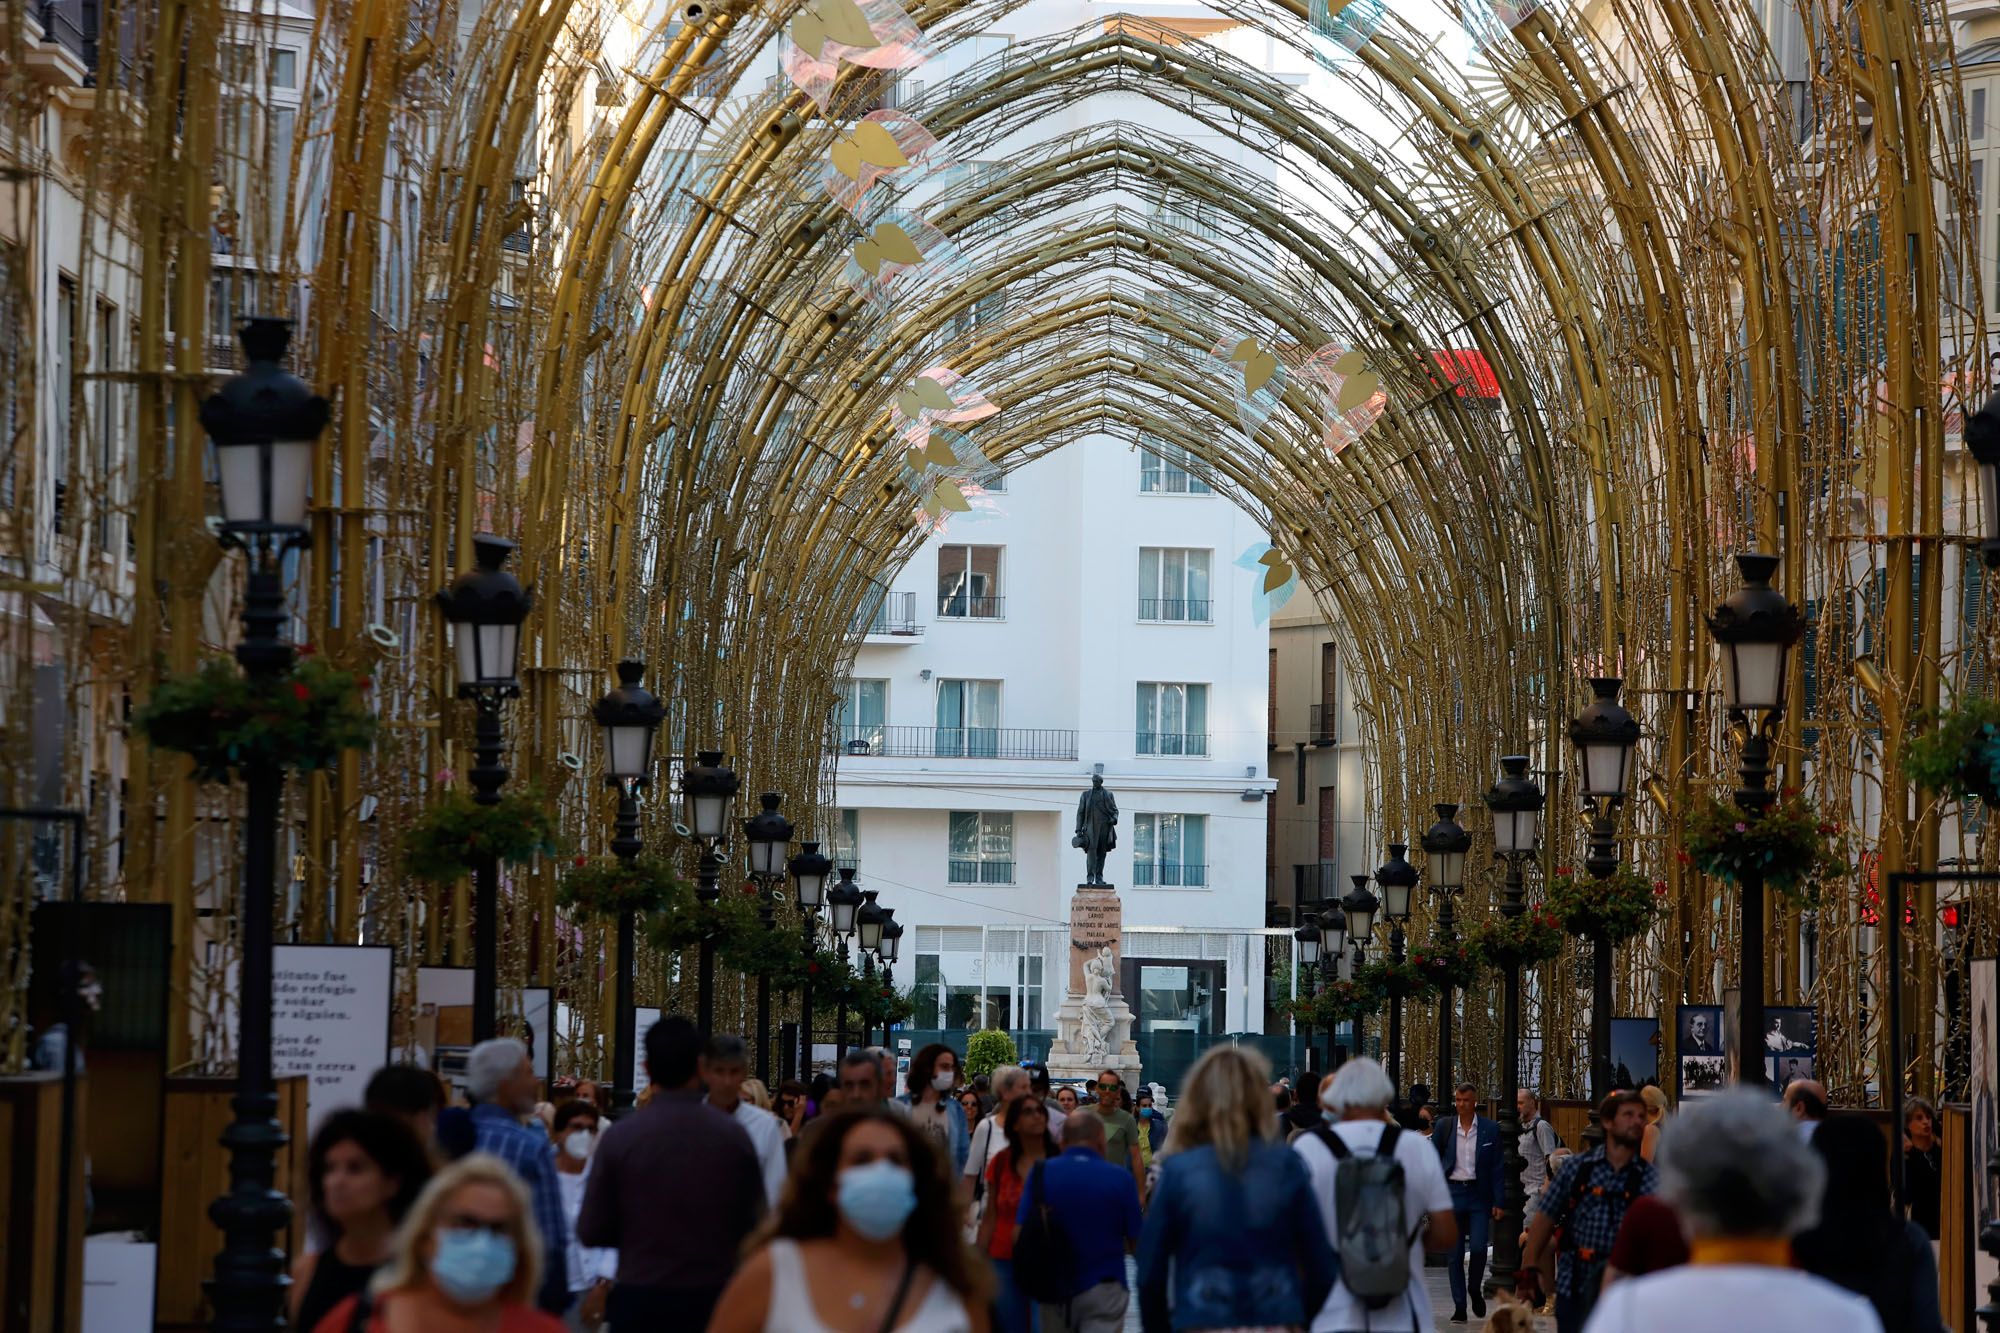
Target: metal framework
634 322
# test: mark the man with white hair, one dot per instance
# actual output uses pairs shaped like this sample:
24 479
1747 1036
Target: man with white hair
1743 1183
504 1092
1354 1100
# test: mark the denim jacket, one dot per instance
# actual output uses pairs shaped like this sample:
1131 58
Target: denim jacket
954 1119
1238 1248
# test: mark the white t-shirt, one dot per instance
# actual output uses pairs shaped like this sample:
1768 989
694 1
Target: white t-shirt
767 1136
988 1142
1724 1298
1424 1191
586 1264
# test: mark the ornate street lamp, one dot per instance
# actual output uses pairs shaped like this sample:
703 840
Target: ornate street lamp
1982 441
1332 958
1755 629
1359 906
1397 879
264 422
706 789
843 904
1445 844
630 715
1605 735
892 946
768 835
810 869
1516 802
1307 938
484 609
869 921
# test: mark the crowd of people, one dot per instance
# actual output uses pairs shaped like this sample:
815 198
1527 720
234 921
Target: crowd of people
883 1198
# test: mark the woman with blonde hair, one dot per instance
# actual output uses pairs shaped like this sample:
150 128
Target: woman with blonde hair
1232 1228
754 1092
467 1258
1656 1119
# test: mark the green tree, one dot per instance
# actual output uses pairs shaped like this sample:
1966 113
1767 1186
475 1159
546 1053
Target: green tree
986 1050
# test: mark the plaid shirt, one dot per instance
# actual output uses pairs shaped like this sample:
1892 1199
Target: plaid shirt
533 1158
1591 1226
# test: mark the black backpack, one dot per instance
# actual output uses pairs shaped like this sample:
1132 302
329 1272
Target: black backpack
1044 1264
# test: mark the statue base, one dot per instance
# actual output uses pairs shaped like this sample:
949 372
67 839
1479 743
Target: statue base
1095 923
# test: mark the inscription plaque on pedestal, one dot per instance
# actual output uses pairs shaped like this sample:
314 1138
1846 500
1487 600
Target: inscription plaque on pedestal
1096 920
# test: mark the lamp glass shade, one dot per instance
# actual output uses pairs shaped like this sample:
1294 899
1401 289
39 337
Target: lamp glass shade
1514 831
767 859
1395 901
1308 937
264 483
628 751
1605 768
1989 499
1447 871
1360 907
892 937
1333 928
708 815
868 921
486 653
809 872
1753 676
843 900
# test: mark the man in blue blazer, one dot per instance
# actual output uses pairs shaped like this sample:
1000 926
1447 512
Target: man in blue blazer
1468 1148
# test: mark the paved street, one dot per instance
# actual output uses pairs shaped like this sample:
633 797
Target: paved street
1440 1292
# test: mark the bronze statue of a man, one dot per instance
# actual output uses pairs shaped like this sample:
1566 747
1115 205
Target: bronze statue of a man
1096 828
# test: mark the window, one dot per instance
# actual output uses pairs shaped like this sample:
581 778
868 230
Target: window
1329 824
1172 719
968 719
239 62
14 388
969 582
863 710
981 847
284 67
1173 584
1163 471
847 841
107 408
1170 851
1324 713
67 315
1978 114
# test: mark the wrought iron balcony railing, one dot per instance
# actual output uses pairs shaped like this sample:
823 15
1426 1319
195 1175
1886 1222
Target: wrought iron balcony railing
980 872
955 742
1169 875
1176 743
895 614
959 606
1194 610
1322 722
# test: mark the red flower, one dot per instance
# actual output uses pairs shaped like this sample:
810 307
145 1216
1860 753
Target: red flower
579 861
300 692
812 969
365 683
1683 857
305 650
1564 870
1789 792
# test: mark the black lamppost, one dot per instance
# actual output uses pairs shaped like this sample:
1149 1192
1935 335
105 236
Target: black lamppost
264 422
869 921
1307 937
1982 440
892 948
1605 735
809 871
769 836
485 608
1397 879
843 904
1332 956
707 788
630 716
1359 906
1445 844
1516 803
1755 628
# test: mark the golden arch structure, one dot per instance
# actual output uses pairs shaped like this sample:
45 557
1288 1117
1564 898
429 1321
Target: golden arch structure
584 278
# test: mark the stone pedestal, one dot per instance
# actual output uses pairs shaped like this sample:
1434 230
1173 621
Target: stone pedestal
1096 923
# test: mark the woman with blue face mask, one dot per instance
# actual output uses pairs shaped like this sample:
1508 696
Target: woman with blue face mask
866 1239
467 1261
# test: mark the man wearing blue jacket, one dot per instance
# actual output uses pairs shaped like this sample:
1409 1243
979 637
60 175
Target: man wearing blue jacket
1468 1148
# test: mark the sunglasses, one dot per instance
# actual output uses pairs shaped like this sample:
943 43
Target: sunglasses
1109 1087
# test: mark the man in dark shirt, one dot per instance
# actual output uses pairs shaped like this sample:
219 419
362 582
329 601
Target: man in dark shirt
674 1188
1587 1200
1099 1205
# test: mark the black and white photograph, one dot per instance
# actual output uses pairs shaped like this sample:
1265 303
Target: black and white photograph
1789 1029
1786 1070
1700 1029
1635 1051
1701 1075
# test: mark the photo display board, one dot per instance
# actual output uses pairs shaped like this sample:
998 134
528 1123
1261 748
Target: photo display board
330 1015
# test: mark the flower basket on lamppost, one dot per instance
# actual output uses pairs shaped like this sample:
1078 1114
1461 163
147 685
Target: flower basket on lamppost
1445 844
1957 752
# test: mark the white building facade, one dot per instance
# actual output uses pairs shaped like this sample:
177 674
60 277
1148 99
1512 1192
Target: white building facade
1088 617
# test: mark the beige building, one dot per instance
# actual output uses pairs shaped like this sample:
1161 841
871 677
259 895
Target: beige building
1317 830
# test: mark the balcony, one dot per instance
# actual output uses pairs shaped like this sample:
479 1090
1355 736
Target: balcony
1168 875
980 872
954 742
1322 721
1175 610
1177 744
960 606
895 615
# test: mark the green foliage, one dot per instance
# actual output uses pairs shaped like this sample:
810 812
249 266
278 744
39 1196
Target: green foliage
1532 937
227 723
1454 964
1958 752
987 1049
447 839
1394 978
605 886
1338 1002
1617 908
1795 851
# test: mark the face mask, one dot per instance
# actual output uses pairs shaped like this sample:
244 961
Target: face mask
1145 1113
577 1143
470 1266
1331 1116
943 1082
877 1199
